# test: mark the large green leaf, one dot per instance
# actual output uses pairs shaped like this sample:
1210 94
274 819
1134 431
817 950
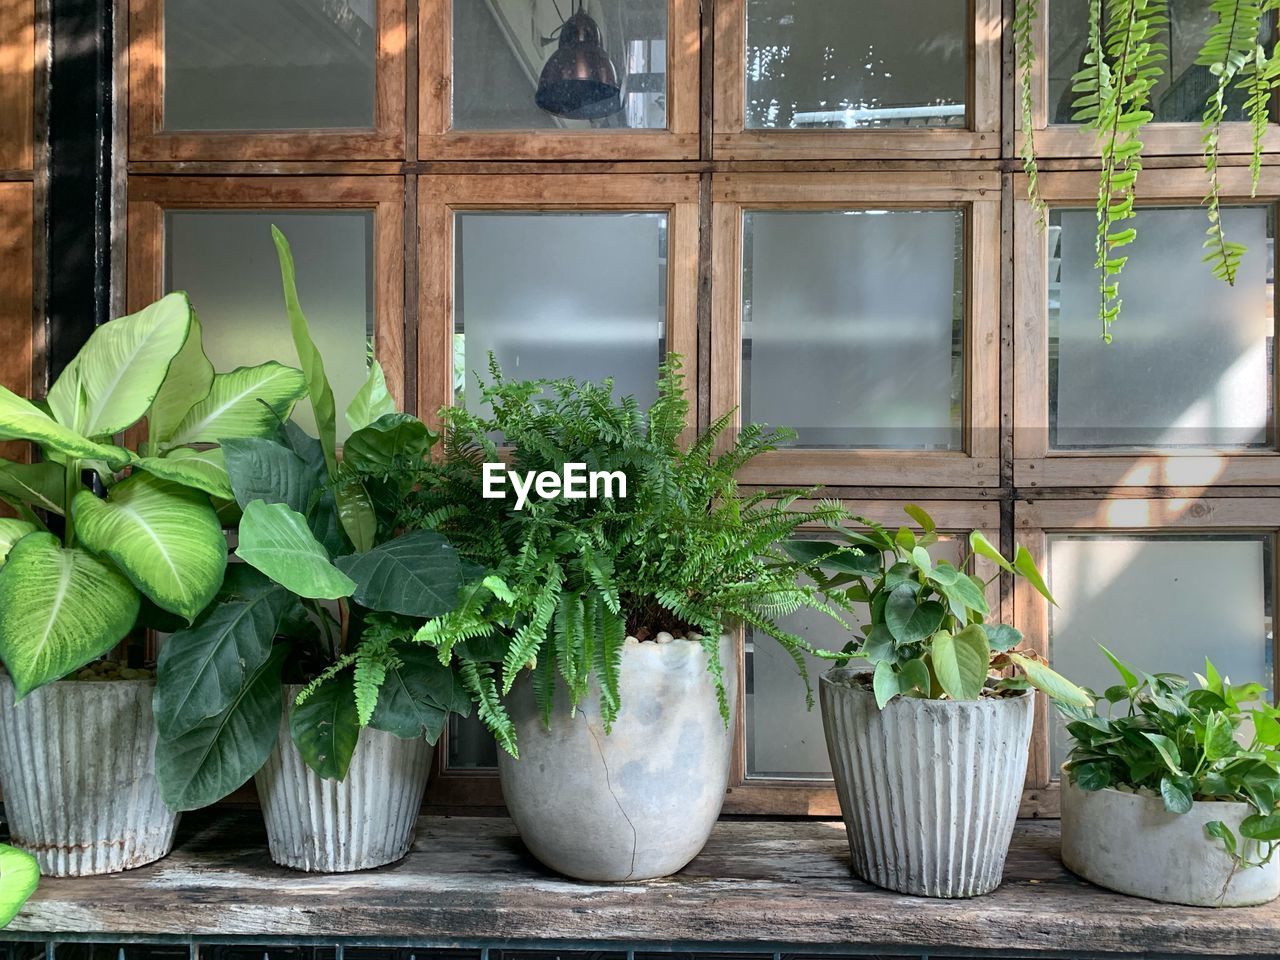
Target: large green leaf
417 697
59 609
200 670
1047 680
262 469
371 401
392 439
355 513
416 574
163 535
202 469
856 559
189 380
41 485
215 757
326 728
19 874
114 378
277 541
11 531
247 402
1023 563
909 619
318 388
961 662
22 420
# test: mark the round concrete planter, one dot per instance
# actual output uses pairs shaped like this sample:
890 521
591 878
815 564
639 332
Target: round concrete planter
326 826
928 789
78 774
1131 844
640 802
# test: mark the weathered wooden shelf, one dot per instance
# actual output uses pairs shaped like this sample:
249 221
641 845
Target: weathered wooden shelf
758 886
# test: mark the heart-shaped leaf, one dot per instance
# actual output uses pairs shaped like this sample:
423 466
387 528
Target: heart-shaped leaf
59 609
417 697
277 541
416 575
392 439
1001 636
163 535
908 619
326 728
961 662
247 402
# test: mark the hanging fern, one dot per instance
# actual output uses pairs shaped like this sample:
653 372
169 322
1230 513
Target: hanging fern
1113 89
1231 46
1024 22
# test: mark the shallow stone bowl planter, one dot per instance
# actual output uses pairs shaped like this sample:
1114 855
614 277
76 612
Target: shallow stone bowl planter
928 789
1130 843
78 773
325 826
639 802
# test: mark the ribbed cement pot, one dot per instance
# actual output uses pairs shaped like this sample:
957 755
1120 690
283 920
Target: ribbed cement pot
639 802
364 821
928 789
78 773
1131 844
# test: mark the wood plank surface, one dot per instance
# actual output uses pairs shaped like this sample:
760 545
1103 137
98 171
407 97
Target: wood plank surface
757 883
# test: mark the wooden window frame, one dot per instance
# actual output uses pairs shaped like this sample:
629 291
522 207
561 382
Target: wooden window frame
817 798
732 139
1034 521
1066 140
440 197
978 193
149 140
17 85
1035 464
437 140
151 197
17 330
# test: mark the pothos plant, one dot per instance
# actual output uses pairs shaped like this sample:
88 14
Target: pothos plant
325 588
928 634
1155 733
108 537
1125 60
565 581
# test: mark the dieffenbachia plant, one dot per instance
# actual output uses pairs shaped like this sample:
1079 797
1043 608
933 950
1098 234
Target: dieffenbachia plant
928 635
1125 59
103 528
327 593
19 875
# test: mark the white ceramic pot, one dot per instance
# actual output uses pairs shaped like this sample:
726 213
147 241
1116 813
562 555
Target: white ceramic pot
641 801
325 826
928 789
77 767
1131 844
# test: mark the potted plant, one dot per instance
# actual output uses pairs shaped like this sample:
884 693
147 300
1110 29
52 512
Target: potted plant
597 643
1173 793
326 593
108 540
929 747
19 875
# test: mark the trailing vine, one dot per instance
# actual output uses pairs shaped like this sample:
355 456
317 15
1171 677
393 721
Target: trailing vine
1025 15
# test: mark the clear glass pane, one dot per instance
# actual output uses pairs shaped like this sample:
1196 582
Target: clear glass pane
868 303
227 263
1182 91
269 64
813 64
1191 360
511 71
784 740
1162 602
560 295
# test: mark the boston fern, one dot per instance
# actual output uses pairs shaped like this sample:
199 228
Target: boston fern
566 581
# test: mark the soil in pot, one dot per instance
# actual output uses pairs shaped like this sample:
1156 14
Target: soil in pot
928 789
1129 842
641 801
327 826
78 774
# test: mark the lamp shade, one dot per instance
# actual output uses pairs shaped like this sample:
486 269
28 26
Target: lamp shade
579 82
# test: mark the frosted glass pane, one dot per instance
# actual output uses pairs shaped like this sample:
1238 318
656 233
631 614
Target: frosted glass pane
561 295
471 745
269 64
227 263
867 303
1182 91
500 48
784 740
1162 603
1190 361
857 63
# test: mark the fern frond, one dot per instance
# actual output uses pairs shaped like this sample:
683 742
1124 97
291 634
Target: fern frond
477 678
1025 14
